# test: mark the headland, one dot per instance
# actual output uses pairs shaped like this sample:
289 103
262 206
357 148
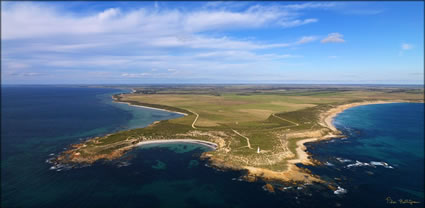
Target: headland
258 129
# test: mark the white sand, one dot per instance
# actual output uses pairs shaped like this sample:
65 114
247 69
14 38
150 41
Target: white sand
160 109
193 141
326 120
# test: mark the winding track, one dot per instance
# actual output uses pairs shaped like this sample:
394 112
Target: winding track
247 139
295 124
196 119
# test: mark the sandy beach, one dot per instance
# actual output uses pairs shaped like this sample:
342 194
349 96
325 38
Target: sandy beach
192 141
302 156
326 119
141 106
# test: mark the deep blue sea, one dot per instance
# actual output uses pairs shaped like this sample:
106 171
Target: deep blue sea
40 121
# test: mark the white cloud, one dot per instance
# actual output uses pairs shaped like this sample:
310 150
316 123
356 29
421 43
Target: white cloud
31 74
141 28
43 37
294 23
246 56
152 74
23 74
135 75
14 64
306 39
109 13
29 20
207 20
310 5
198 41
333 38
406 46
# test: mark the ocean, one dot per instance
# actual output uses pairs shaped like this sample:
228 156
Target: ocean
381 161
40 121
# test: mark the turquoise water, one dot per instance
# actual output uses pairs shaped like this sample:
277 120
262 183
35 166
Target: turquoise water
40 121
390 133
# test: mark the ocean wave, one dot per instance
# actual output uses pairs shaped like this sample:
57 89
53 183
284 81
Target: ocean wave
342 160
123 164
329 164
50 160
358 164
60 167
384 164
370 164
340 190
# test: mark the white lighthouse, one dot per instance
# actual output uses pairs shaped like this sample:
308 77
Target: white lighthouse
258 150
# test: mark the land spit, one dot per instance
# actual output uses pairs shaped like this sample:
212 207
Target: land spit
317 127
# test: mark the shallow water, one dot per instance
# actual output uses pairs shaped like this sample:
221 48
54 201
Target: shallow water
38 121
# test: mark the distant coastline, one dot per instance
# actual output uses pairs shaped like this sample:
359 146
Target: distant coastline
116 98
141 106
328 117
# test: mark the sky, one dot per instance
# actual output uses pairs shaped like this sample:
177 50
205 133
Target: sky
212 42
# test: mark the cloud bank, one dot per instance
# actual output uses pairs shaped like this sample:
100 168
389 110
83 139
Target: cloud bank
50 42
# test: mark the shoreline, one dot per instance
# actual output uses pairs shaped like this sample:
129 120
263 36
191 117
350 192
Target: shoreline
292 173
211 145
326 120
301 152
303 156
141 106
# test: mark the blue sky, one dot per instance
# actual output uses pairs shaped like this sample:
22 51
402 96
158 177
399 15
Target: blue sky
212 42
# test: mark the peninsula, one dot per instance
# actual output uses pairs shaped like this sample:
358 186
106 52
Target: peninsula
260 129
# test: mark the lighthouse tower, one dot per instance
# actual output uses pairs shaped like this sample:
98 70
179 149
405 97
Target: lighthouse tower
258 150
